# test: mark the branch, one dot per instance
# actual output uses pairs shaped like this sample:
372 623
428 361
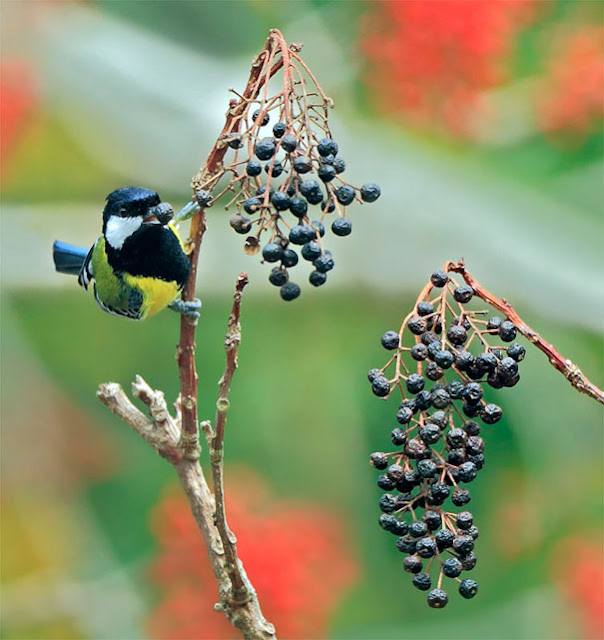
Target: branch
231 347
570 371
163 433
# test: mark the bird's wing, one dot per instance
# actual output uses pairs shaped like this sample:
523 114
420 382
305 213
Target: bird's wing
133 311
86 272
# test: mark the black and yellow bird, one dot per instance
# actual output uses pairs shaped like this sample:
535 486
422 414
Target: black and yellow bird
138 263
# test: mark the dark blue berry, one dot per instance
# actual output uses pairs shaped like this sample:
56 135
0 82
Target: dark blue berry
494 323
327 147
468 588
415 382
289 291
265 117
491 413
280 201
251 205
418 529
419 351
452 567
379 460
444 358
468 562
463 293
516 351
370 192
387 503
339 165
276 166
425 308
311 251
433 371
426 547
471 428
474 445
380 387
234 141
316 278
404 415
302 164
398 437
456 438
415 449
390 340
261 190
345 194
416 325
265 149
464 520
432 519
301 234
421 581
272 252
460 497
457 335
385 483
324 263
467 472
326 173
253 168
341 227
412 564
279 129
444 538
439 278
437 598
290 258
463 360
472 392
289 144
426 468
278 276
507 331
440 399
463 544
298 206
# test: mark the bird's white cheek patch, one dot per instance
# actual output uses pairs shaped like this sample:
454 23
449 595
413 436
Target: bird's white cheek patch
118 229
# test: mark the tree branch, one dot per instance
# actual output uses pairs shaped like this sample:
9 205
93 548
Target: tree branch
231 347
570 371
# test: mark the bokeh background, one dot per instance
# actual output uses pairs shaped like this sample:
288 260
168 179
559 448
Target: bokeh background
482 122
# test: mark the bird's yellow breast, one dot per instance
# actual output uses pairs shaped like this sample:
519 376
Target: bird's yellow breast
157 294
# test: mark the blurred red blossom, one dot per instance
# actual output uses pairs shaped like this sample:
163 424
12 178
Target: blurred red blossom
298 557
429 62
17 102
578 571
570 100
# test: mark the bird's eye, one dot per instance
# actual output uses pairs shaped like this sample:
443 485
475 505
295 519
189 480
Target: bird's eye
122 211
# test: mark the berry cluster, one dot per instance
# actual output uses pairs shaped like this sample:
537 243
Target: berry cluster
284 163
442 357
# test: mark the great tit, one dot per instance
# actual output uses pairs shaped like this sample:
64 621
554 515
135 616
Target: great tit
138 263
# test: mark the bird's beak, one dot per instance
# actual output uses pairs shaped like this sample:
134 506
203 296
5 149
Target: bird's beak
161 213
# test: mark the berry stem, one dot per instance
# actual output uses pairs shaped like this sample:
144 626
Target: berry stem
565 366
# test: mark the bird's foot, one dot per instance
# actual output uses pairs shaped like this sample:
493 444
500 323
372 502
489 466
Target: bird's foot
189 308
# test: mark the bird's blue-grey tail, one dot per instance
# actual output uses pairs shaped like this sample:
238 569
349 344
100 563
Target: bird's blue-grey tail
68 258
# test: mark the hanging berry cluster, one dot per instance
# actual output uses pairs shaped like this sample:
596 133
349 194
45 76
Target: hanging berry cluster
284 163
442 357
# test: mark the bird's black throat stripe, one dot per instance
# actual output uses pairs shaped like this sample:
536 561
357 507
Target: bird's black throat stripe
152 251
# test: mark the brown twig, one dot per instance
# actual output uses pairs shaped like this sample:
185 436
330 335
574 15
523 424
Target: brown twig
570 371
164 434
216 441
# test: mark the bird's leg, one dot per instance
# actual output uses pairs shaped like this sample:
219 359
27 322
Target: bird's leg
186 307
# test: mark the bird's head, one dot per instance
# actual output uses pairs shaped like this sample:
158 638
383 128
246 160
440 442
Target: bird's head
128 209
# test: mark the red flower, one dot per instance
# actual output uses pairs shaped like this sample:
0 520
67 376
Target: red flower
570 100
430 61
16 105
298 558
578 567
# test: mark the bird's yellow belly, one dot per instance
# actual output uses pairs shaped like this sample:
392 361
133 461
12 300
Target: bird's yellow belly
157 294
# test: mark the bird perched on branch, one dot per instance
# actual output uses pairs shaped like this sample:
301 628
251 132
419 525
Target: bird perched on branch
138 263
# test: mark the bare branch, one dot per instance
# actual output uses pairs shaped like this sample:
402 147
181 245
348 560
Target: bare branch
231 347
570 371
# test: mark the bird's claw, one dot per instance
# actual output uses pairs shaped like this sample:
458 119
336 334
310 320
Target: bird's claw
189 308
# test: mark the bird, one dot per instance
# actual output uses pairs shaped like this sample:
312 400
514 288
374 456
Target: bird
138 263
